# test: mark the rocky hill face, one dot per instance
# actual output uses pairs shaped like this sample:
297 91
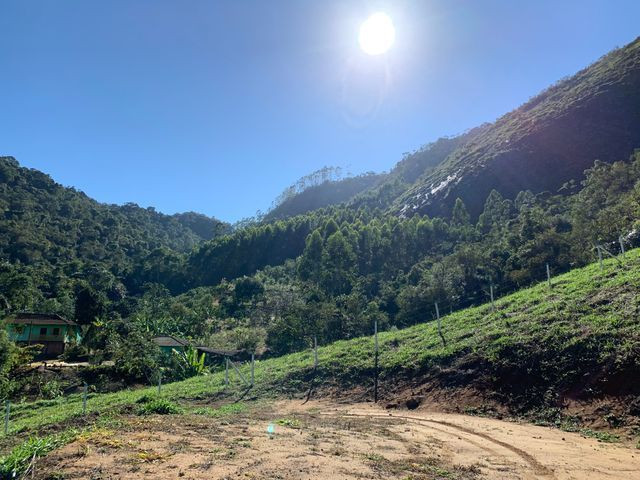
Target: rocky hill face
551 139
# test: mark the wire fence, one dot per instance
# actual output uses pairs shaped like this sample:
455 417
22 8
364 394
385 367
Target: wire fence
615 250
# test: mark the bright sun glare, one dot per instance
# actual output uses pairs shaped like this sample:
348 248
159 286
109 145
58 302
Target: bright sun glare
377 34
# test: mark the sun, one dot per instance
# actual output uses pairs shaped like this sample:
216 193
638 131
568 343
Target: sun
377 34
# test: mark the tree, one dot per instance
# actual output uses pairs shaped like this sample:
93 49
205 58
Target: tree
247 288
460 216
310 262
90 304
339 261
497 212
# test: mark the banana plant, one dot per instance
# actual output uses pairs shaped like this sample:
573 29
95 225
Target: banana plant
189 363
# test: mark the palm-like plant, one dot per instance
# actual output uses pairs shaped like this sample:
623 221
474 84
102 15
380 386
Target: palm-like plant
189 362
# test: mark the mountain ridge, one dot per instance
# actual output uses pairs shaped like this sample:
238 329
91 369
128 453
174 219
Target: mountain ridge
549 140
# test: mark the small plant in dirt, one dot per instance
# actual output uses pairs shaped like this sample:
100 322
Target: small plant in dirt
51 389
289 422
159 406
21 458
147 397
605 437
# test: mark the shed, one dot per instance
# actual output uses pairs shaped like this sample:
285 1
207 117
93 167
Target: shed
169 342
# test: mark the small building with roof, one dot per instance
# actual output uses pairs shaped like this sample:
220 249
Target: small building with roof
169 342
50 330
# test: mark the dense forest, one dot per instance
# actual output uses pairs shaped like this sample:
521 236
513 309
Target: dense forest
54 239
331 272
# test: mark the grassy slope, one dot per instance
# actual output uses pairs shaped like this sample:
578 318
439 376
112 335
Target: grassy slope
583 332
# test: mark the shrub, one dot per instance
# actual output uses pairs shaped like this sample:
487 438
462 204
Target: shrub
159 406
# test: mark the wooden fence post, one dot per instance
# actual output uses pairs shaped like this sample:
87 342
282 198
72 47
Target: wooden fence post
85 390
440 325
493 305
7 412
375 349
226 371
253 368
548 276
315 352
600 257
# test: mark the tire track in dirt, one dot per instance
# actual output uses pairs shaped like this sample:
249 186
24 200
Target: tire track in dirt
538 468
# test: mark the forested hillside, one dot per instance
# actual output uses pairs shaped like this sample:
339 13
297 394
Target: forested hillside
341 268
50 234
126 273
320 189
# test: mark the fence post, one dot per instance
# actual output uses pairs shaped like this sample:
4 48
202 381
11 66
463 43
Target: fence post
315 352
159 382
600 257
253 368
621 245
375 347
548 276
440 325
7 412
493 305
84 398
226 371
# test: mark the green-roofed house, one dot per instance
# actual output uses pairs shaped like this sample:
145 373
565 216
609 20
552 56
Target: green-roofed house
50 330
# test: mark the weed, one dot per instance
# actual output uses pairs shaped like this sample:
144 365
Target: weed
159 406
289 422
20 458
600 436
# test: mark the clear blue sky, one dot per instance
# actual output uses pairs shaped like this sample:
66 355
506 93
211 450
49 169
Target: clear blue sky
216 106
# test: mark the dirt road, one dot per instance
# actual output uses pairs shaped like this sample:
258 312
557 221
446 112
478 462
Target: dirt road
512 450
324 441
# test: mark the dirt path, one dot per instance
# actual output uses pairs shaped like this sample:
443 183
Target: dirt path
513 450
324 441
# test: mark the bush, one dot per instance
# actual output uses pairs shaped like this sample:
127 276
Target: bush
75 352
135 356
158 406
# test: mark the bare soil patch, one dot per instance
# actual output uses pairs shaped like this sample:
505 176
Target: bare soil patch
328 441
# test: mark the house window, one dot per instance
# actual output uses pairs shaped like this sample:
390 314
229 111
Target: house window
43 331
56 331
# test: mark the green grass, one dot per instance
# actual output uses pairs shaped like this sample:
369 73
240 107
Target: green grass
537 343
223 411
19 459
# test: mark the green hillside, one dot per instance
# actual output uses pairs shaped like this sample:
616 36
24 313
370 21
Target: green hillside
579 339
52 236
315 196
